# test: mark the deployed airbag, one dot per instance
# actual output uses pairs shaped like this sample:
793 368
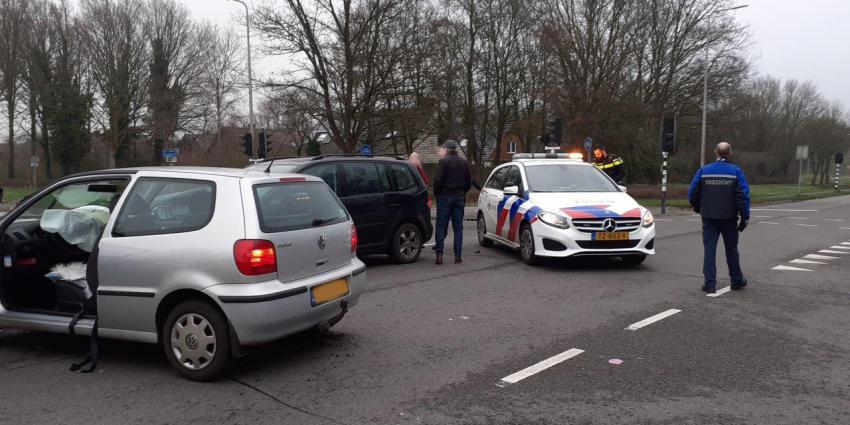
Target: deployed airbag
81 226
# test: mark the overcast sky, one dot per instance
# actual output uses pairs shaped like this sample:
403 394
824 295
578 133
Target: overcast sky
804 40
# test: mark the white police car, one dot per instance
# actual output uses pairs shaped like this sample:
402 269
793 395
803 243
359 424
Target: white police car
554 205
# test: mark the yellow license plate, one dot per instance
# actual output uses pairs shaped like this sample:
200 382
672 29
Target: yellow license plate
611 236
330 291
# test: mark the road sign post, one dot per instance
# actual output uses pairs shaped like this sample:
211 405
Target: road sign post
588 146
802 155
839 158
34 162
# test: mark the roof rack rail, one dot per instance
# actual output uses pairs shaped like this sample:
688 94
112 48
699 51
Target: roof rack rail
354 155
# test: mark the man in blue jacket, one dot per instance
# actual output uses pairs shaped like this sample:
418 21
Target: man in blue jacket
720 193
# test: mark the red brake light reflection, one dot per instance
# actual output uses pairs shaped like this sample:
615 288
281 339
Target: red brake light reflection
255 257
354 240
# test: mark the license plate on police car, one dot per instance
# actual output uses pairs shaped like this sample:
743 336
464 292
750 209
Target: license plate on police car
611 236
330 291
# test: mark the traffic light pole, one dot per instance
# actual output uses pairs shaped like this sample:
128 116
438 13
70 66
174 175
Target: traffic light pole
837 175
664 183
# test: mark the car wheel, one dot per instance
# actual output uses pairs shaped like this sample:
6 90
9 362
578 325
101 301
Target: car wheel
526 245
196 340
407 243
482 230
633 260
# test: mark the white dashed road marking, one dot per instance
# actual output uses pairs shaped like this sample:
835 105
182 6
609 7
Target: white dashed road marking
719 292
798 218
767 222
791 269
845 228
829 251
807 225
799 261
762 216
837 220
821 257
845 243
539 367
650 320
839 247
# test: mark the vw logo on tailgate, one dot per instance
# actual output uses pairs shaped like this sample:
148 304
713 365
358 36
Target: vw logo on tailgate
609 225
323 241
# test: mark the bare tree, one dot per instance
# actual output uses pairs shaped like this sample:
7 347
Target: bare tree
347 48
12 21
116 47
295 111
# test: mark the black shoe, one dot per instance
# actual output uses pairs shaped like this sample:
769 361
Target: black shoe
709 290
740 285
458 260
439 259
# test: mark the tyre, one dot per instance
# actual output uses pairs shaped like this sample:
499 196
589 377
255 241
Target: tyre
482 230
196 340
633 260
407 243
526 245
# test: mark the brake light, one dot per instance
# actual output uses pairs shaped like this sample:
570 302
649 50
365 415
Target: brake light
255 257
292 179
353 239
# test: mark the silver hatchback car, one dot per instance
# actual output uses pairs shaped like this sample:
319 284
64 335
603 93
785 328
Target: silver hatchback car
204 261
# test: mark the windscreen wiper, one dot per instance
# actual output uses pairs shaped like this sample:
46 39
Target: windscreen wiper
321 221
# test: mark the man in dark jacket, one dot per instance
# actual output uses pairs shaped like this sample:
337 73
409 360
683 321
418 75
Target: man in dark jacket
720 193
451 183
609 163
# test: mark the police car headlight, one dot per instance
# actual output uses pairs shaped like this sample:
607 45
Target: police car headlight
554 220
648 219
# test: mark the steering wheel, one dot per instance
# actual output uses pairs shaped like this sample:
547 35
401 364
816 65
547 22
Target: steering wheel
162 212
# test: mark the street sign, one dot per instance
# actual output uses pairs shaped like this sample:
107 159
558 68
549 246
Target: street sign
802 152
171 159
588 144
366 150
169 153
34 161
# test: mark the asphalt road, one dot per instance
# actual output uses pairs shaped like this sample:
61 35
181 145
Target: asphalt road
434 345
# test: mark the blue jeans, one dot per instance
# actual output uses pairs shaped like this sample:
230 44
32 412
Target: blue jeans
450 207
712 229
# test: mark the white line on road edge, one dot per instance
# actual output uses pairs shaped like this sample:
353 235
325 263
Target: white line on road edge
829 251
799 261
792 269
781 210
650 320
821 257
837 220
719 292
539 367
807 225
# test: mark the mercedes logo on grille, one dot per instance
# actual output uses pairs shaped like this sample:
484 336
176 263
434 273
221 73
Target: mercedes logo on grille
323 240
609 225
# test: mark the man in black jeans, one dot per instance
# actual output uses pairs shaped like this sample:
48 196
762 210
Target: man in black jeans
451 183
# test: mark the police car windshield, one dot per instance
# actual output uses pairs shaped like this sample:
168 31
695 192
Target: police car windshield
567 178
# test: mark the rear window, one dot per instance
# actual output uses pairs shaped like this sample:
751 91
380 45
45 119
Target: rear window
284 207
403 177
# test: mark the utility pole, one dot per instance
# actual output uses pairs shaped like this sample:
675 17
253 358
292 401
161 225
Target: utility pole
250 80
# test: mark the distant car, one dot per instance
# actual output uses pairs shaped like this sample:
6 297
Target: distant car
553 206
386 197
202 260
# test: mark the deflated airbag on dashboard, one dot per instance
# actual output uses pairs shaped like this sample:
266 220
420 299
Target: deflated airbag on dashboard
81 226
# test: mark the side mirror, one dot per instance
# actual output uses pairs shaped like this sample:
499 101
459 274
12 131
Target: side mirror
622 188
511 190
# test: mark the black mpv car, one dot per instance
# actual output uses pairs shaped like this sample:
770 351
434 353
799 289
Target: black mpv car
386 197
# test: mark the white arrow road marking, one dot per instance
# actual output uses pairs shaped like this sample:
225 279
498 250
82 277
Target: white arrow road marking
650 320
827 251
821 257
789 268
719 292
799 261
539 367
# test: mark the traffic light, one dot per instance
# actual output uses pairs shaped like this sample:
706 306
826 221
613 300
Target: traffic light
262 149
556 132
248 145
668 135
839 158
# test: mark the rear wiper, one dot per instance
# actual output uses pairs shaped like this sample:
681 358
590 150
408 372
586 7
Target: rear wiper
321 221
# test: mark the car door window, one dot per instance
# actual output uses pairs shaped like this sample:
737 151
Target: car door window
363 178
327 172
103 193
161 206
497 179
403 177
513 178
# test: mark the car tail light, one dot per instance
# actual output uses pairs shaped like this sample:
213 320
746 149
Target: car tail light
353 239
255 257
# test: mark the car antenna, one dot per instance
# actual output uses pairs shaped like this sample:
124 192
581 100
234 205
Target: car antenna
269 168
